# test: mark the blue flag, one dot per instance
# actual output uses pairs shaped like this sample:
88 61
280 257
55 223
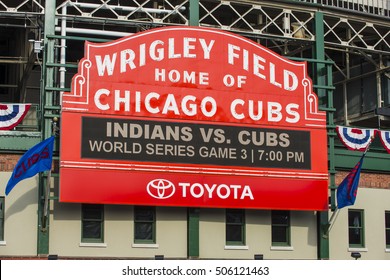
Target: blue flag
35 160
347 190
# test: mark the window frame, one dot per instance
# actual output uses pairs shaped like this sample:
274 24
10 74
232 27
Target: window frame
2 211
100 220
360 227
241 224
138 222
387 229
286 226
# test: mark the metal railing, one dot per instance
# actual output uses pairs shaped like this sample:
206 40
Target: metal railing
374 7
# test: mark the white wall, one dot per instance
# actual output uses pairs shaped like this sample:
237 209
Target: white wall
258 236
21 219
65 233
374 202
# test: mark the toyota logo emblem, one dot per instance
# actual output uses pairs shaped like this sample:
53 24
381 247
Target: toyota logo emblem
160 188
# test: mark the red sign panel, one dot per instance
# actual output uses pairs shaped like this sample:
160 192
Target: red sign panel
196 117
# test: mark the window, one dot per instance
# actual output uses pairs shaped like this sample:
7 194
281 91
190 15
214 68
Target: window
281 228
235 227
356 228
2 209
92 216
144 224
387 225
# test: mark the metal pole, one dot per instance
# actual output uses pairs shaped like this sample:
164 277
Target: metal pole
331 222
62 69
46 101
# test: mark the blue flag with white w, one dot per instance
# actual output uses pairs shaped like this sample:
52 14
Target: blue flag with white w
37 159
347 190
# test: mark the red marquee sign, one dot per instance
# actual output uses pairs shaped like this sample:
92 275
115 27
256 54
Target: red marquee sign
195 117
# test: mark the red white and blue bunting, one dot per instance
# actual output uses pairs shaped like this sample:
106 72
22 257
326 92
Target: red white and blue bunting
12 114
356 139
385 138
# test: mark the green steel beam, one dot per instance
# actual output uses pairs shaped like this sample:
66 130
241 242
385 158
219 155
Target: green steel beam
75 66
193 233
194 12
326 109
57 89
193 213
324 87
47 100
320 81
51 116
331 136
373 161
19 140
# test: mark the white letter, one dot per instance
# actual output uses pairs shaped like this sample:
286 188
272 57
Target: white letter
220 187
203 106
203 78
152 51
228 80
291 112
137 101
108 64
231 54
235 190
98 104
159 73
189 77
191 109
148 107
233 109
252 110
201 190
125 100
294 78
272 75
184 185
170 105
274 114
172 74
171 49
241 81
256 66
210 190
142 54
247 192
187 47
130 60
245 60
206 49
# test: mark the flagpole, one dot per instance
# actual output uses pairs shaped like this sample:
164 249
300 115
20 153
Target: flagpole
369 144
331 222
47 190
46 203
337 210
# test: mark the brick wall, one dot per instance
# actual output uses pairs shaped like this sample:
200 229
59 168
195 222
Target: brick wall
8 162
368 180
